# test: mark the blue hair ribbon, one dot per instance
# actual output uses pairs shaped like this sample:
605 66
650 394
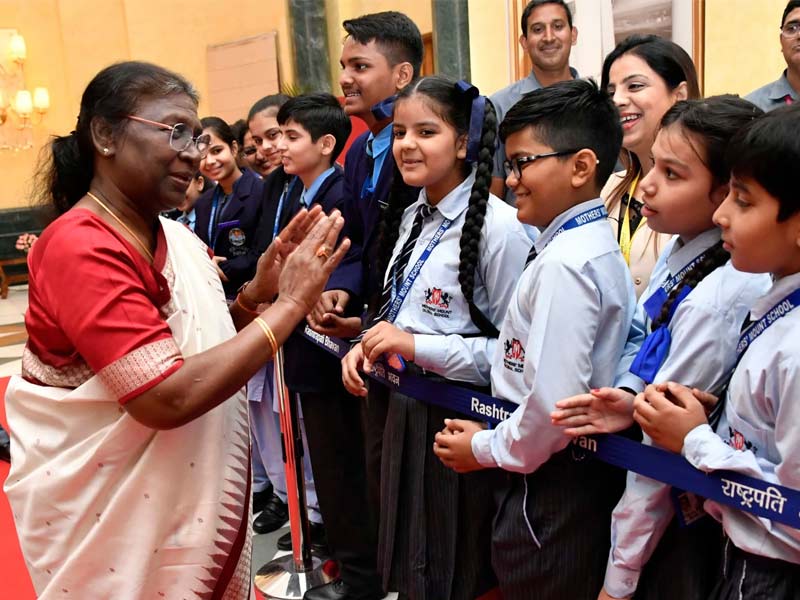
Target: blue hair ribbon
475 118
384 109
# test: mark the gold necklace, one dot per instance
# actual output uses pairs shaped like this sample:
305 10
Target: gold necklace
125 227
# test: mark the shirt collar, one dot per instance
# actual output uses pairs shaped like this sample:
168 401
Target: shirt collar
782 88
547 235
310 193
380 142
682 254
452 205
534 82
780 289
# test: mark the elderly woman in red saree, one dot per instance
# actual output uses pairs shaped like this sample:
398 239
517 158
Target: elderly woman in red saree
130 475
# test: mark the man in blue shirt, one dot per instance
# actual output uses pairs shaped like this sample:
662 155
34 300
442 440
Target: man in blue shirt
786 89
547 37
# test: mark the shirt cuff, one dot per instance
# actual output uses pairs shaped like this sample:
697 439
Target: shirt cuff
482 448
620 582
430 351
696 442
630 381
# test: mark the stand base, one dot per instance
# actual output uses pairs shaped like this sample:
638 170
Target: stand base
280 579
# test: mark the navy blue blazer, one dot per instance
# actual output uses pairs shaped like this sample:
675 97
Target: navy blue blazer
308 368
357 273
237 228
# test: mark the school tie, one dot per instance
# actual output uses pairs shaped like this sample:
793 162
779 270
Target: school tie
531 256
401 262
370 162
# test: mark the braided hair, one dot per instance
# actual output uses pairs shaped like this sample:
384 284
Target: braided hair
454 107
708 125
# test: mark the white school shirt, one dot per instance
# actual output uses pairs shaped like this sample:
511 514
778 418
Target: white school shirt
705 331
758 434
563 334
446 341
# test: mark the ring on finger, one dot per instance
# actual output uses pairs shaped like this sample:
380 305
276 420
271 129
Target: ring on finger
324 251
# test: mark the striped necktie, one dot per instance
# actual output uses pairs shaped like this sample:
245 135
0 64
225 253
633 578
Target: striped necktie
395 278
531 256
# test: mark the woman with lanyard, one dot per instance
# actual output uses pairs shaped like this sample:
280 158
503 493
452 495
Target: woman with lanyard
130 433
646 75
228 215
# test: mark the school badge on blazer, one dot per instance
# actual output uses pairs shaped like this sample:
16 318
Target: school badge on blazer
237 240
437 303
514 359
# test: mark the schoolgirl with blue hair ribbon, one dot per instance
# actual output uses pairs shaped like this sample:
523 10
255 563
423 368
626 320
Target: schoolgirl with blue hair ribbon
451 258
686 328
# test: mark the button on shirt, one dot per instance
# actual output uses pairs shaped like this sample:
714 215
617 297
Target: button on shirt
563 334
705 331
758 433
773 95
446 341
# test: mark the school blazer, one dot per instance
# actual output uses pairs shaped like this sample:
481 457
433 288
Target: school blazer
357 273
236 238
307 368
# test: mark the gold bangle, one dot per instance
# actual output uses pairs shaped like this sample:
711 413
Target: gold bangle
243 307
268 333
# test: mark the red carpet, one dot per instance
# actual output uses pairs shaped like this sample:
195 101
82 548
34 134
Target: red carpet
16 583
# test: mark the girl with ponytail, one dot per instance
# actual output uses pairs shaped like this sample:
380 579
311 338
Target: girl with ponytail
686 329
443 316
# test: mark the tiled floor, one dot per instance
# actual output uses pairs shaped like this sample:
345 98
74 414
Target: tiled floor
12 341
12 329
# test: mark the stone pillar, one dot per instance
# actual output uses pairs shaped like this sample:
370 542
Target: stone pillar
451 38
310 43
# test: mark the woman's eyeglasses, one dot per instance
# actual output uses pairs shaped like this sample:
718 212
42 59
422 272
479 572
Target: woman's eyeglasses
180 136
515 165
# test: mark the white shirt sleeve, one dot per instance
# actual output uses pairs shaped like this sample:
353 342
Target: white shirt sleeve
558 364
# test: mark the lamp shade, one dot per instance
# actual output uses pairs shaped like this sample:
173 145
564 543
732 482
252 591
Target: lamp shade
41 99
23 103
16 48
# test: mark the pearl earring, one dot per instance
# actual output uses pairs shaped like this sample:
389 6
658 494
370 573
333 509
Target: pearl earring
105 150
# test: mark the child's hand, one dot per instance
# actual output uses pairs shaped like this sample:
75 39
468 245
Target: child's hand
326 316
454 448
604 595
604 410
385 338
351 363
667 413
217 260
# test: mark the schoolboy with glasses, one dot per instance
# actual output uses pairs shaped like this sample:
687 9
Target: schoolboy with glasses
565 330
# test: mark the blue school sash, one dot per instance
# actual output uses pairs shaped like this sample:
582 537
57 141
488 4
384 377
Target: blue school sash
655 347
399 296
777 312
755 496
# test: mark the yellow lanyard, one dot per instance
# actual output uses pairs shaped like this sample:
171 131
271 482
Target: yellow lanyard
625 237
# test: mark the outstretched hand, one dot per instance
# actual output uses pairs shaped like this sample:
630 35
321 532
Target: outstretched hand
603 410
326 316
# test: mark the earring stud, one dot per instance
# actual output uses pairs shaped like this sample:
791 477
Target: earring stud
105 150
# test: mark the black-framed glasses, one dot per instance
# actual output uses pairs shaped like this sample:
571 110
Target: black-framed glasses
791 29
515 165
180 136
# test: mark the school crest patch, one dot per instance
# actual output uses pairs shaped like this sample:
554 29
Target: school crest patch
514 355
437 303
737 441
